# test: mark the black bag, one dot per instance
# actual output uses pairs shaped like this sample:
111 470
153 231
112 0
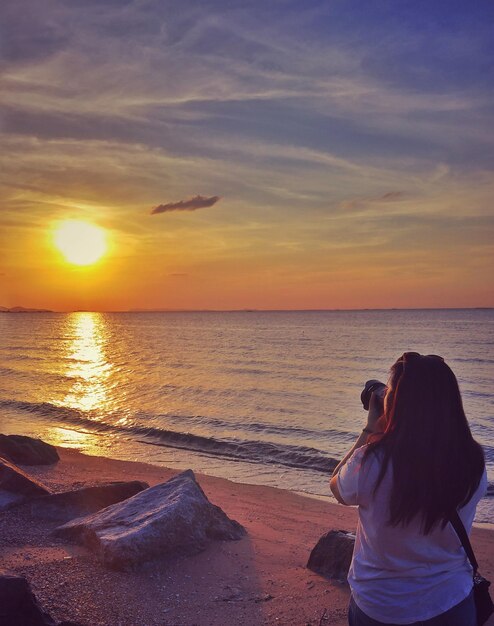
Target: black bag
483 602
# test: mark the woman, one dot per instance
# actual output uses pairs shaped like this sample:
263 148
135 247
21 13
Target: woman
413 465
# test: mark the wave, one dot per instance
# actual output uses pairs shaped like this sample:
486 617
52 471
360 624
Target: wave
44 375
253 451
247 370
24 357
301 457
477 394
460 359
5 371
488 453
253 427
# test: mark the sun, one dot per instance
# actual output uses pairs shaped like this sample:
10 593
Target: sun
81 243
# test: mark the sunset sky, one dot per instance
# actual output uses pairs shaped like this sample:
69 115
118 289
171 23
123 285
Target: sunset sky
269 154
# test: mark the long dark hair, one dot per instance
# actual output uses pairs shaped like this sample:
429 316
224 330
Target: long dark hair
436 463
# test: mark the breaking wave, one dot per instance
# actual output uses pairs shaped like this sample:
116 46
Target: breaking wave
301 457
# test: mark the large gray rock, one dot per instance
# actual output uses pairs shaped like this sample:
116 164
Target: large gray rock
69 504
173 517
332 555
16 486
27 450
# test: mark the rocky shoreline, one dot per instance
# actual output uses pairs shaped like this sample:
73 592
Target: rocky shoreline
101 542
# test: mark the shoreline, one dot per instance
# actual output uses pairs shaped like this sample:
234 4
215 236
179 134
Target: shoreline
183 459
260 579
329 499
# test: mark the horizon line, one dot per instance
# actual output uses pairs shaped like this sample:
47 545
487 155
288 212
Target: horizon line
242 310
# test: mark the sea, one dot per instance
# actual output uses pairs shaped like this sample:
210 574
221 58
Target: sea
270 398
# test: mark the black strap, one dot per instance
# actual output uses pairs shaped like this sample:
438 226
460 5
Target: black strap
465 541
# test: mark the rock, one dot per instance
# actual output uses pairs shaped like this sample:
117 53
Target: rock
18 604
27 450
169 518
332 555
69 504
16 486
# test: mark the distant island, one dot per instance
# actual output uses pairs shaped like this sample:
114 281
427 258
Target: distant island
22 309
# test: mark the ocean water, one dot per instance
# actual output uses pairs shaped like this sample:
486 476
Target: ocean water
259 397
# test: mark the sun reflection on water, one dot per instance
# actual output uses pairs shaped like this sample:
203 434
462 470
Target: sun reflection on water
87 362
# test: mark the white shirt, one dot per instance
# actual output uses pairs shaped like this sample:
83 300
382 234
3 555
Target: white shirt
398 575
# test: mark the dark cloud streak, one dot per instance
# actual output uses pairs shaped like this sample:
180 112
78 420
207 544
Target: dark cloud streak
363 203
392 196
197 202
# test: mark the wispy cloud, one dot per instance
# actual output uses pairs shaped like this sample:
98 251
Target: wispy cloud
322 140
391 196
197 202
363 202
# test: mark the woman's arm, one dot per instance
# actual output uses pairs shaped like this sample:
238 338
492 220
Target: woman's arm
375 412
333 483
361 441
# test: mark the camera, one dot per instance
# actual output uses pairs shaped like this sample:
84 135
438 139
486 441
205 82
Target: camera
370 387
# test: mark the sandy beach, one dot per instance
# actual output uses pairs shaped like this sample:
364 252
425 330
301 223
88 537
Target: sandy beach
261 579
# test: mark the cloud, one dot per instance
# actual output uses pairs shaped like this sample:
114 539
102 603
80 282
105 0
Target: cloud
362 203
392 196
31 33
197 202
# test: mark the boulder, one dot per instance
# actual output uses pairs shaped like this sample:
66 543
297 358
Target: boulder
18 604
16 486
169 518
27 450
332 555
77 502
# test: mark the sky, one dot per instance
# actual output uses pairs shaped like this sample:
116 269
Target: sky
266 154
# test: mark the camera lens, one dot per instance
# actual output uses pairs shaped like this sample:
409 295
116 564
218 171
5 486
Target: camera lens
369 388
